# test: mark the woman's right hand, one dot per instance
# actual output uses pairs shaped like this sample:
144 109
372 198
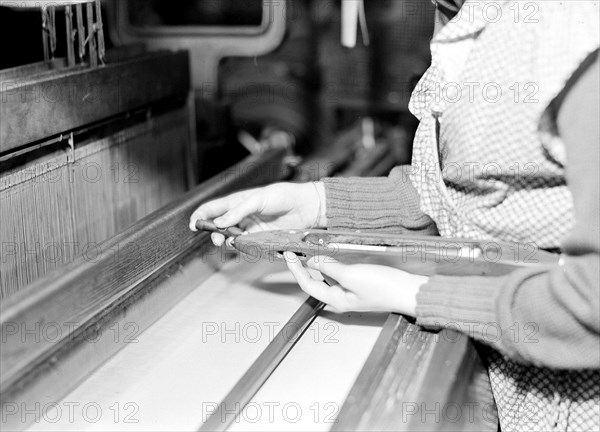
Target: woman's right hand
278 206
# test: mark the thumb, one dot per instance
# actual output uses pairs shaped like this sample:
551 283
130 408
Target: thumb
253 204
329 268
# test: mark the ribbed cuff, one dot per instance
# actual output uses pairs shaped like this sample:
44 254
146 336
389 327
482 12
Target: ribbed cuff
380 203
480 307
450 301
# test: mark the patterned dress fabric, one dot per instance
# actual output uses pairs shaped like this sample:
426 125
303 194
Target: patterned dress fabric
488 164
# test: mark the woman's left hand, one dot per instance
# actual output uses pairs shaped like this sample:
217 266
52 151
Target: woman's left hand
358 287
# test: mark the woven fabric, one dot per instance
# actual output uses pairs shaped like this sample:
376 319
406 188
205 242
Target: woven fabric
488 164
540 399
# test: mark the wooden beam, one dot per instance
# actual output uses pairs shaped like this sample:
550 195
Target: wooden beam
63 101
20 73
416 380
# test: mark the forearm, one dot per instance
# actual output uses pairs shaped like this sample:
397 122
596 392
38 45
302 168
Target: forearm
547 316
383 203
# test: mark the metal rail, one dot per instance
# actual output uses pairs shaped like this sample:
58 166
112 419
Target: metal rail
262 368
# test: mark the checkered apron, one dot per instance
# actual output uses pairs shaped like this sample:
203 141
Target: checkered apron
489 165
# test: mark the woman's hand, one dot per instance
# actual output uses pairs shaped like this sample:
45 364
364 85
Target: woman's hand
278 206
358 287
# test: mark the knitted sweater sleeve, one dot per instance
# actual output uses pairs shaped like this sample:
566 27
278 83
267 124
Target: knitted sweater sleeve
382 203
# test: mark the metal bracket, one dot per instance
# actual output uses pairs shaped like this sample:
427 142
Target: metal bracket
92 39
71 149
95 28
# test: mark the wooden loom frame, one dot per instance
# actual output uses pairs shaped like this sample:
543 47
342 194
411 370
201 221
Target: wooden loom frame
126 282
97 294
129 279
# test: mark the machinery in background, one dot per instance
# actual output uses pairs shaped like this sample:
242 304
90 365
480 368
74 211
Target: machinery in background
309 86
317 90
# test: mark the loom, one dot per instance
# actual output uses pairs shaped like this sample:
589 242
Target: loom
115 316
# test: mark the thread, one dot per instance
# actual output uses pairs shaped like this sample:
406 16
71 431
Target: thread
53 210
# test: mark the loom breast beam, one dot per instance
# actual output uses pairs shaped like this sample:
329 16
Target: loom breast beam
411 367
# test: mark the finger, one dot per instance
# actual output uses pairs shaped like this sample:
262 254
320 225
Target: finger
216 208
329 267
328 280
252 204
316 275
217 239
330 295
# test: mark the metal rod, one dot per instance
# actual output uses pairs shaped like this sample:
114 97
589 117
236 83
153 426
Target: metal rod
91 40
80 31
52 29
45 35
263 367
100 33
70 35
